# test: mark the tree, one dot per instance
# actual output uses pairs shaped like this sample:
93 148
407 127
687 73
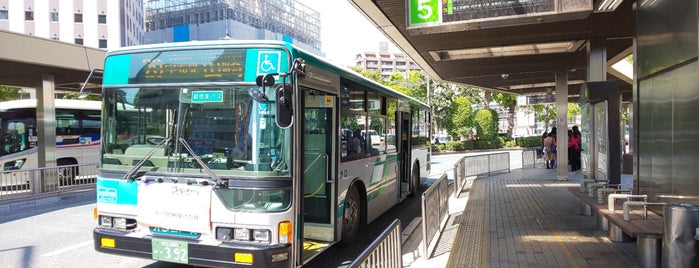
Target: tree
573 110
545 113
10 93
486 122
76 95
461 115
509 101
373 75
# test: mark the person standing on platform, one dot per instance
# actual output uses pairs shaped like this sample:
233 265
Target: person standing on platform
575 139
550 148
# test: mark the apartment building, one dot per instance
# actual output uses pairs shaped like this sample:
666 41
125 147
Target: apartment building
385 61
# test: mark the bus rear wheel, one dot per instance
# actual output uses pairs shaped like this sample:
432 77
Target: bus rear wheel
352 218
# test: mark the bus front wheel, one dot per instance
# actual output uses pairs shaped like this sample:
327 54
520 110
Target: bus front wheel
414 181
352 218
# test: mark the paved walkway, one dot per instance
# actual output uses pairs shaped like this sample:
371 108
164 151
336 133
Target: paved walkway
525 218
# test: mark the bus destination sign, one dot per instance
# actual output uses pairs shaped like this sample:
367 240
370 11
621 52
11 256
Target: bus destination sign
464 10
200 65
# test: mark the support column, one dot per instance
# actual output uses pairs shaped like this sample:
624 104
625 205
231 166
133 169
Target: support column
596 71
562 124
46 130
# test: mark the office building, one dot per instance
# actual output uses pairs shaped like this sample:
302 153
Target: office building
286 20
93 23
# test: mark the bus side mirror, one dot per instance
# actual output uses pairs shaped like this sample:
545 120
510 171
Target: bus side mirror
265 80
284 114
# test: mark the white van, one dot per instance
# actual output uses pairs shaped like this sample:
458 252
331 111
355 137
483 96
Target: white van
373 137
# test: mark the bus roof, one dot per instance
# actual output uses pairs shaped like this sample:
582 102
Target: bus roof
60 104
296 51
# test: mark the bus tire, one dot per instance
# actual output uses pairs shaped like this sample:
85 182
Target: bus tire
352 216
414 181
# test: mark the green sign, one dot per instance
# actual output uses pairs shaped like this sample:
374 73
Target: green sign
207 96
424 12
170 250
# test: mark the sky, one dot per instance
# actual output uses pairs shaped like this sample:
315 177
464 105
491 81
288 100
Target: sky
345 32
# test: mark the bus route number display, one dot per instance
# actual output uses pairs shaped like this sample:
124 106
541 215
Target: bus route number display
212 65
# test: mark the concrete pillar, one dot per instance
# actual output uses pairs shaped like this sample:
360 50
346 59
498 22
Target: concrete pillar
562 123
596 71
46 128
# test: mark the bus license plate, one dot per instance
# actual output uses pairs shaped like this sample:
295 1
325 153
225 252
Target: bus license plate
170 250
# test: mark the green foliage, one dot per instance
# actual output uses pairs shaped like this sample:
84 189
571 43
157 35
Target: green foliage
508 101
545 113
484 144
75 95
454 146
461 117
486 123
531 141
10 93
373 75
573 110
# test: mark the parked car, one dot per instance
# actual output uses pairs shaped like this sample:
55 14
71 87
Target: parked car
374 137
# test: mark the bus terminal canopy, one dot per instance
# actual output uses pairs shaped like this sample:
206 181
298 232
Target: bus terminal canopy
24 59
505 45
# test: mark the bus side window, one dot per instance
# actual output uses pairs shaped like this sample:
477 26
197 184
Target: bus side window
15 139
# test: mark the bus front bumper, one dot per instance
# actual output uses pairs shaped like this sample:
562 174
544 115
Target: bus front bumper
197 254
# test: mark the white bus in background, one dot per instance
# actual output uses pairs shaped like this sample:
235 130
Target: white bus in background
77 136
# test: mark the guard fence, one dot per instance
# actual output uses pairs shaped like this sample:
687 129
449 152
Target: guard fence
473 166
385 251
37 182
531 157
435 212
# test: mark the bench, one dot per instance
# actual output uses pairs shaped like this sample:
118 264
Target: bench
646 227
635 226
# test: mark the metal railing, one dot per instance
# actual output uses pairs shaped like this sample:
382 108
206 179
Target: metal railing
459 176
531 157
386 251
16 184
476 165
435 209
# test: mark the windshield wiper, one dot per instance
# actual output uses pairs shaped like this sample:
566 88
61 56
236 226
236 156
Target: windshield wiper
216 179
137 166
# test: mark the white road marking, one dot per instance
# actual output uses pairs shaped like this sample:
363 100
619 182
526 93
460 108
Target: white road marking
68 248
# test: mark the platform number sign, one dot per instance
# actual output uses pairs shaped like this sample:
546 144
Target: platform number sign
424 12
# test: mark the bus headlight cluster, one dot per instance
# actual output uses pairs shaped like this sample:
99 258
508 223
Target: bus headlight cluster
117 222
243 235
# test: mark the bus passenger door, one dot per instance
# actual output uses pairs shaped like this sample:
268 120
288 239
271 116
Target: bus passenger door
403 145
319 136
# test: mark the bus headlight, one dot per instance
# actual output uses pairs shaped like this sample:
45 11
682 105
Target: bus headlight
117 222
261 235
241 234
106 221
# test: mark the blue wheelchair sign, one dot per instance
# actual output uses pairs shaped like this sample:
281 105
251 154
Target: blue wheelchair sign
268 62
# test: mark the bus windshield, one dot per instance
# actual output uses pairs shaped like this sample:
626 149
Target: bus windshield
193 130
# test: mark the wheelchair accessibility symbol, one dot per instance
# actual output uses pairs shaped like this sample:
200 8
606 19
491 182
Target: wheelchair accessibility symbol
268 62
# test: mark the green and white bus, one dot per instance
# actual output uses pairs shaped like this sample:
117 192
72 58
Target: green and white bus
248 153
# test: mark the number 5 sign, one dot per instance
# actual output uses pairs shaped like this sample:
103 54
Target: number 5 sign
422 12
